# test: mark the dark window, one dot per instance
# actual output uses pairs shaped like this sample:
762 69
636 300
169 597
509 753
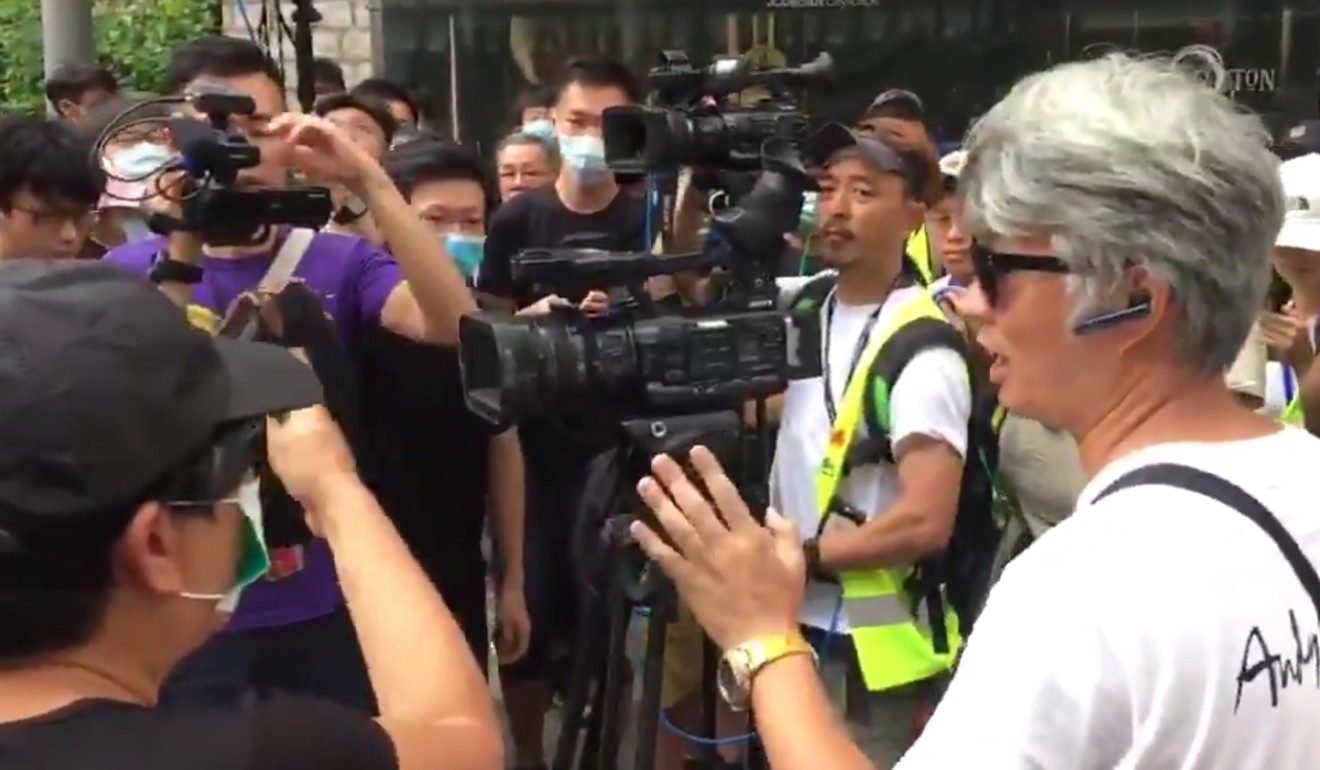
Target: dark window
959 55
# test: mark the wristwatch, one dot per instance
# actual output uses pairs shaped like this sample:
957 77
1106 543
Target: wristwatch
740 664
166 270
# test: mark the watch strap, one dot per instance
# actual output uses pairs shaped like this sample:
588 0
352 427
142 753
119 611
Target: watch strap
765 650
166 270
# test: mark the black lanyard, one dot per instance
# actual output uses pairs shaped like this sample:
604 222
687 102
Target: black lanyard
858 351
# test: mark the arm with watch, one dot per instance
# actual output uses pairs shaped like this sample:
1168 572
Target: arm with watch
744 583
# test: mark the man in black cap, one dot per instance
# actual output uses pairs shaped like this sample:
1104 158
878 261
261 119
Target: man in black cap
894 510
895 103
130 523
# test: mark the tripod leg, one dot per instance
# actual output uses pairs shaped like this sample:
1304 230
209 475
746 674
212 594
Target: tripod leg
710 702
648 720
609 703
584 671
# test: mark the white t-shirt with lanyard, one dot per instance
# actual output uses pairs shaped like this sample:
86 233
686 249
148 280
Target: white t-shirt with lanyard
931 397
1156 628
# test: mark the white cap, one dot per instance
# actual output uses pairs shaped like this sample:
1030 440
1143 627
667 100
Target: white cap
1301 193
952 164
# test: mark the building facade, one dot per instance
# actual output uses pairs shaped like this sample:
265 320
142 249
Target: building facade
471 57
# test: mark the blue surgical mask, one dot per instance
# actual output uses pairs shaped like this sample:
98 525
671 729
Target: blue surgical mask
466 251
541 129
139 161
585 158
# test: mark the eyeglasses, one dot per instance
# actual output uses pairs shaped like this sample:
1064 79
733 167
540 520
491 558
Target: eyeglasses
990 266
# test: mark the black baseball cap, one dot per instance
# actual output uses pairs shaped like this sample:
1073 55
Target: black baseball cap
898 103
834 138
105 388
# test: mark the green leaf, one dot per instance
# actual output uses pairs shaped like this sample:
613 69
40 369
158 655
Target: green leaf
134 39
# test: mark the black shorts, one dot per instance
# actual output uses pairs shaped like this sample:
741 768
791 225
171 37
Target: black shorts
554 491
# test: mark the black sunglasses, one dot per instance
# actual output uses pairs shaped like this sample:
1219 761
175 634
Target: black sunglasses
990 266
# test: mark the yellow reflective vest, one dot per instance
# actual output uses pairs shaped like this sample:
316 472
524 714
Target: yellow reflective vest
918 250
891 627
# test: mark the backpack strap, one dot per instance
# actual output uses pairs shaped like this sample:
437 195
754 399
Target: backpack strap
1227 493
287 259
898 351
811 296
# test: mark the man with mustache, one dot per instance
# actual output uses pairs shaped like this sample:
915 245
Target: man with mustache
894 512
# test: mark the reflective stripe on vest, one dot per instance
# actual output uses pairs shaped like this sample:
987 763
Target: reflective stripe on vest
890 631
918 250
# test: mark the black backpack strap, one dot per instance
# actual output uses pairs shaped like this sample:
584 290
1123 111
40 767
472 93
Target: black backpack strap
898 351
1233 496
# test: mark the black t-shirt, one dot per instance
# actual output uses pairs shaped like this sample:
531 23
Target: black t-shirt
538 219
286 733
427 456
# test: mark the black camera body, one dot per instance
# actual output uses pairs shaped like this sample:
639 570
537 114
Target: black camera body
642 361
213 205
688 125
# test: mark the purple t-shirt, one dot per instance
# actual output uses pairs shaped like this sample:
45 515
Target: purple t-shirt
353 280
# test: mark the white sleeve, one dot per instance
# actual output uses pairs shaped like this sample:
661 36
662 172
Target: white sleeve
789 286
932 397
1032 691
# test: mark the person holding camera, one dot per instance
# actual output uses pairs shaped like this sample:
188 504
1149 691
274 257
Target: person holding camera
1110 642
130 527
584 209
292 631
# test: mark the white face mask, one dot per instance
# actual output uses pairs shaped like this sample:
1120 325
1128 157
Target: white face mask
253 562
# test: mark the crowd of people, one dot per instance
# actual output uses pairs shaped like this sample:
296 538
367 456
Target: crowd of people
1066 374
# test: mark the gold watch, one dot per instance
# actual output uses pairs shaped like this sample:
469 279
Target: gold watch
740 664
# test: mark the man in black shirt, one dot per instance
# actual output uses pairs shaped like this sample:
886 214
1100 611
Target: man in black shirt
130 523
438 469
583 209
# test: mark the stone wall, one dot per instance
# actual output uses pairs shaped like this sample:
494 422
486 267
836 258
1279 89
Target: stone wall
344 34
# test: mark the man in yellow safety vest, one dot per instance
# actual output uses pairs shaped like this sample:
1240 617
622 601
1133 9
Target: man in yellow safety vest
884 635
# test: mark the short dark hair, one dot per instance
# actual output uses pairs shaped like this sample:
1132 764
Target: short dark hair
370 107
599 72
218 56
327 70
384 90
536 97
57 601
71 81
105 116
49 158
431 160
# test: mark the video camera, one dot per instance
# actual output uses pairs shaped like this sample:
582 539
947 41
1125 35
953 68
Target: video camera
212 154
740 347
688 125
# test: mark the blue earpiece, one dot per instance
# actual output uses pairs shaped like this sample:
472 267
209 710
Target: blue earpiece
1139 309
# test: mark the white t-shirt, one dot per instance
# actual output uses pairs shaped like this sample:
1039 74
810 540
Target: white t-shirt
931 397
1126 636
